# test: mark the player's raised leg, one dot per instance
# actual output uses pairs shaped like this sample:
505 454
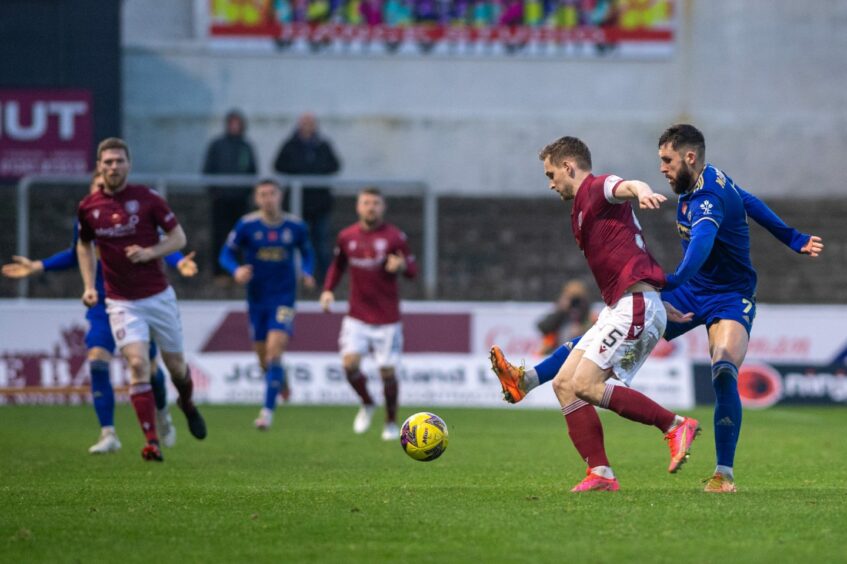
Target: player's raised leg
390 388
517 381
728 341
584 430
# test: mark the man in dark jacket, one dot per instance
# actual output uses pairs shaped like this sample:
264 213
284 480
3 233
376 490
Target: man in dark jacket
307 152
230 153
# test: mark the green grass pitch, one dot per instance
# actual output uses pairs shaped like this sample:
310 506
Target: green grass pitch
311 491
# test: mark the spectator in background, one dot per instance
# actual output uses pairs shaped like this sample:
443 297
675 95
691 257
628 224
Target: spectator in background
570 319
230 153
307 152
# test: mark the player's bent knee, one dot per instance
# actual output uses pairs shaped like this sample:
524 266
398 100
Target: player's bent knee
562 385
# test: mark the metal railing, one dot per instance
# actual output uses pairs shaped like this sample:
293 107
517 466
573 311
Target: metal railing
296 184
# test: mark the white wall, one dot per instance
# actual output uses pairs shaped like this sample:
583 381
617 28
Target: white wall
766 80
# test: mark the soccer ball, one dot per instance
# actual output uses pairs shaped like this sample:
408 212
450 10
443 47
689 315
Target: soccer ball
424 436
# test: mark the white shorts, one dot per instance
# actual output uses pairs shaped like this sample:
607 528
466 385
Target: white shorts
384 341
137 320
625 334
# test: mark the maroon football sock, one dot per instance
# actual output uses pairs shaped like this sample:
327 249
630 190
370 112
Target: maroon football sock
586 432
635 406
359 383
185 388
389 389
144 404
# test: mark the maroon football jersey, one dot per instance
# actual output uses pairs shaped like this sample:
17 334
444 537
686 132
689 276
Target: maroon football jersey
609 235
132 216
374 296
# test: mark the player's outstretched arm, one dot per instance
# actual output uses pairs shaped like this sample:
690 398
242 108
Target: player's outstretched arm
802 243
22 267
641 192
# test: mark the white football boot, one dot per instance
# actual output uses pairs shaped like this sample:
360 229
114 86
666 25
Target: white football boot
391 432
165 427
265 419
362 422
108 442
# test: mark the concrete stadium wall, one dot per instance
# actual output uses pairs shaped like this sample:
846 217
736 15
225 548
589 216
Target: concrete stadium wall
764 79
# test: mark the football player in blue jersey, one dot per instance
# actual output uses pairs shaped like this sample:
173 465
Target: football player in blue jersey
101 344
267 240
715 284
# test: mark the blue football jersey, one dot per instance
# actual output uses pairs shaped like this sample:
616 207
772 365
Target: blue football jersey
270 249
716 199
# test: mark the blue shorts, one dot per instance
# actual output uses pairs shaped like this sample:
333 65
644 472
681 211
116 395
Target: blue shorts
708 308
273 317
100 333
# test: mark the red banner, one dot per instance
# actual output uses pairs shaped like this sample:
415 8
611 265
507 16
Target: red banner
45 132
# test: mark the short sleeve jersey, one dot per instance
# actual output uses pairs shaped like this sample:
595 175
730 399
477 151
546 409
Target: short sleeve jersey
271 250
374 294
609 235
728 267
115 221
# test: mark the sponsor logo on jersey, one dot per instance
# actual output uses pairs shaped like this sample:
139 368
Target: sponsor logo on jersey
706 206
132 206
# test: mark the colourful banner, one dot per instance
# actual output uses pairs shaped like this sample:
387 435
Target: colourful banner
45 132
452 27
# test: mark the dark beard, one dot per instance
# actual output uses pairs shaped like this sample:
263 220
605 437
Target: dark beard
684 181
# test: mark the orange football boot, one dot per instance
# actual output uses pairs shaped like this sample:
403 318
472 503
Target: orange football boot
510 376
679 440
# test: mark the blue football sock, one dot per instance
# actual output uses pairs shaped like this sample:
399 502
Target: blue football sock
727 411
549 367
160 391
274 377
102 393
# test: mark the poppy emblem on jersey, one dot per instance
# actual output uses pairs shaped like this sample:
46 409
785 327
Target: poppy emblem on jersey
273 235
132 206
706 206
116 218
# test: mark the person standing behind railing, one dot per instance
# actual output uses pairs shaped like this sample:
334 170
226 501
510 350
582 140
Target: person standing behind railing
230 153
308 152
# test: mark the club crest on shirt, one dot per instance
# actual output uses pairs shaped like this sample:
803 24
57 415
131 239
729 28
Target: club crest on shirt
96 214
706 206
351 246
257 235
381 245
132 206
684 208
287 237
